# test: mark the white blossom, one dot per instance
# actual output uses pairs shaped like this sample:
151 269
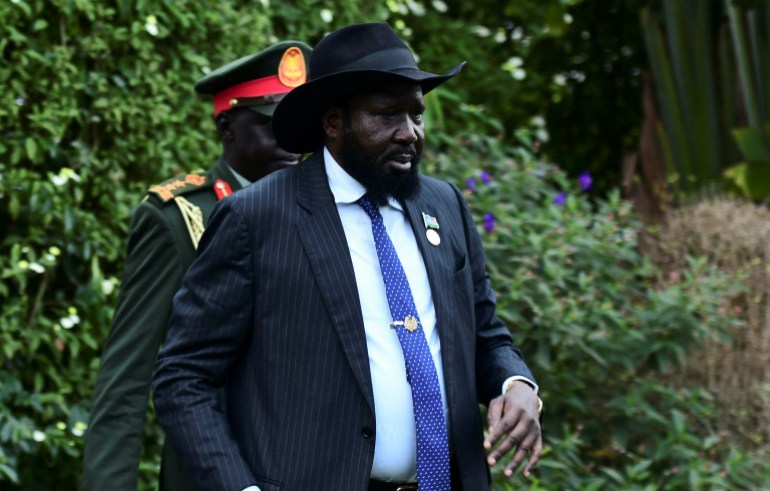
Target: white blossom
151 25
481 31
440 6
108 286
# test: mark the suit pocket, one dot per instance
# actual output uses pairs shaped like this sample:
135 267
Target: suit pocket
268 485
462 293
461 264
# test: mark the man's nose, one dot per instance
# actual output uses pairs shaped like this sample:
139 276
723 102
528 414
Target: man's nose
407 130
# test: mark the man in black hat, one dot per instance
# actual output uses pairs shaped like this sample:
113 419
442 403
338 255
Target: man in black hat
345 304
165 231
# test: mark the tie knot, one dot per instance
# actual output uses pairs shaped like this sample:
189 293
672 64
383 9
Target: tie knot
369 208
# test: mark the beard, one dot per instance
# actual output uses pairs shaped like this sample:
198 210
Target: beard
371 171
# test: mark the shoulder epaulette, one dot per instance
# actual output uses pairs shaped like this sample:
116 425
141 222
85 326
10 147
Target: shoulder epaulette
177 186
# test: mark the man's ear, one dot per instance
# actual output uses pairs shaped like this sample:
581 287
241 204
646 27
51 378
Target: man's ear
224 124
332 122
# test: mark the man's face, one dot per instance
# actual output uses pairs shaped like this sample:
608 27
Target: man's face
382 141
254 152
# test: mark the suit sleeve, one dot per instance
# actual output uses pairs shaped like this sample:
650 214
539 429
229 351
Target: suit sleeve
496 356
153 272
210 324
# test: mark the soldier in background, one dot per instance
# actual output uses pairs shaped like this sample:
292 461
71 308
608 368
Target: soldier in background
164 235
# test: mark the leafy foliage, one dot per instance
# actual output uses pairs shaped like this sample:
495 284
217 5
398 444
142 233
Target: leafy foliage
600 326
99 106
576 63
711 83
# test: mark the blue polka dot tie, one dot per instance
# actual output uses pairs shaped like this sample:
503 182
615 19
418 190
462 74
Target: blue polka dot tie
432 442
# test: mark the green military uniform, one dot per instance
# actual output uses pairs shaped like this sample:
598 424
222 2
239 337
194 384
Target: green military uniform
161 246
164 235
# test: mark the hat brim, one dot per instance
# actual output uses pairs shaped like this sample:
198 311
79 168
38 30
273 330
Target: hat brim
297 119
264 109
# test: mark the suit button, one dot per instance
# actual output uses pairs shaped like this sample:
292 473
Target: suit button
367 432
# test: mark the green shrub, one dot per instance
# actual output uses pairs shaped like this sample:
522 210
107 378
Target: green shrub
600 326
98 106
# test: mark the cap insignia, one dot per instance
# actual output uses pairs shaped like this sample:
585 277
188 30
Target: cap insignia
291 71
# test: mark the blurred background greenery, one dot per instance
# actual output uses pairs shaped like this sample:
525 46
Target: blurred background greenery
614 152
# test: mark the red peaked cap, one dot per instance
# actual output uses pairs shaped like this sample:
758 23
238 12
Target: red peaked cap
257 81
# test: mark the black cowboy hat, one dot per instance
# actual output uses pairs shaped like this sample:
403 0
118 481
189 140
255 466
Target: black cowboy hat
361 55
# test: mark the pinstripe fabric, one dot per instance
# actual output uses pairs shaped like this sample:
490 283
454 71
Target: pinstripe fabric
271 309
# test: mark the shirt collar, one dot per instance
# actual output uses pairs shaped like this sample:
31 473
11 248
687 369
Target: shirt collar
345 188
241 180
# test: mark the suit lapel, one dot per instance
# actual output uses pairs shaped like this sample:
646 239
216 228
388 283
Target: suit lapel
438 264
323 239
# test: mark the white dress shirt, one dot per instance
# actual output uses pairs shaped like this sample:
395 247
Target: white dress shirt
395 454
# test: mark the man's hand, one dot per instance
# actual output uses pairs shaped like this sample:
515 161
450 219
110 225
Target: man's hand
513 417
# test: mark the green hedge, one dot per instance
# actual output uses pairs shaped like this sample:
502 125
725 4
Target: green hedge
601 327
98 105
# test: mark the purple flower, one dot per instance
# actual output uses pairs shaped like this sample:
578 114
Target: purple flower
560 198
585 181
471 184
485 177
489 222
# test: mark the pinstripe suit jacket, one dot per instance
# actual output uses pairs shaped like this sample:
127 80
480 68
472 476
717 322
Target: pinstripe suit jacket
270 310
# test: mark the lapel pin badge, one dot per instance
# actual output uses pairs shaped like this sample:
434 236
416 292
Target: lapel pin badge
431 226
